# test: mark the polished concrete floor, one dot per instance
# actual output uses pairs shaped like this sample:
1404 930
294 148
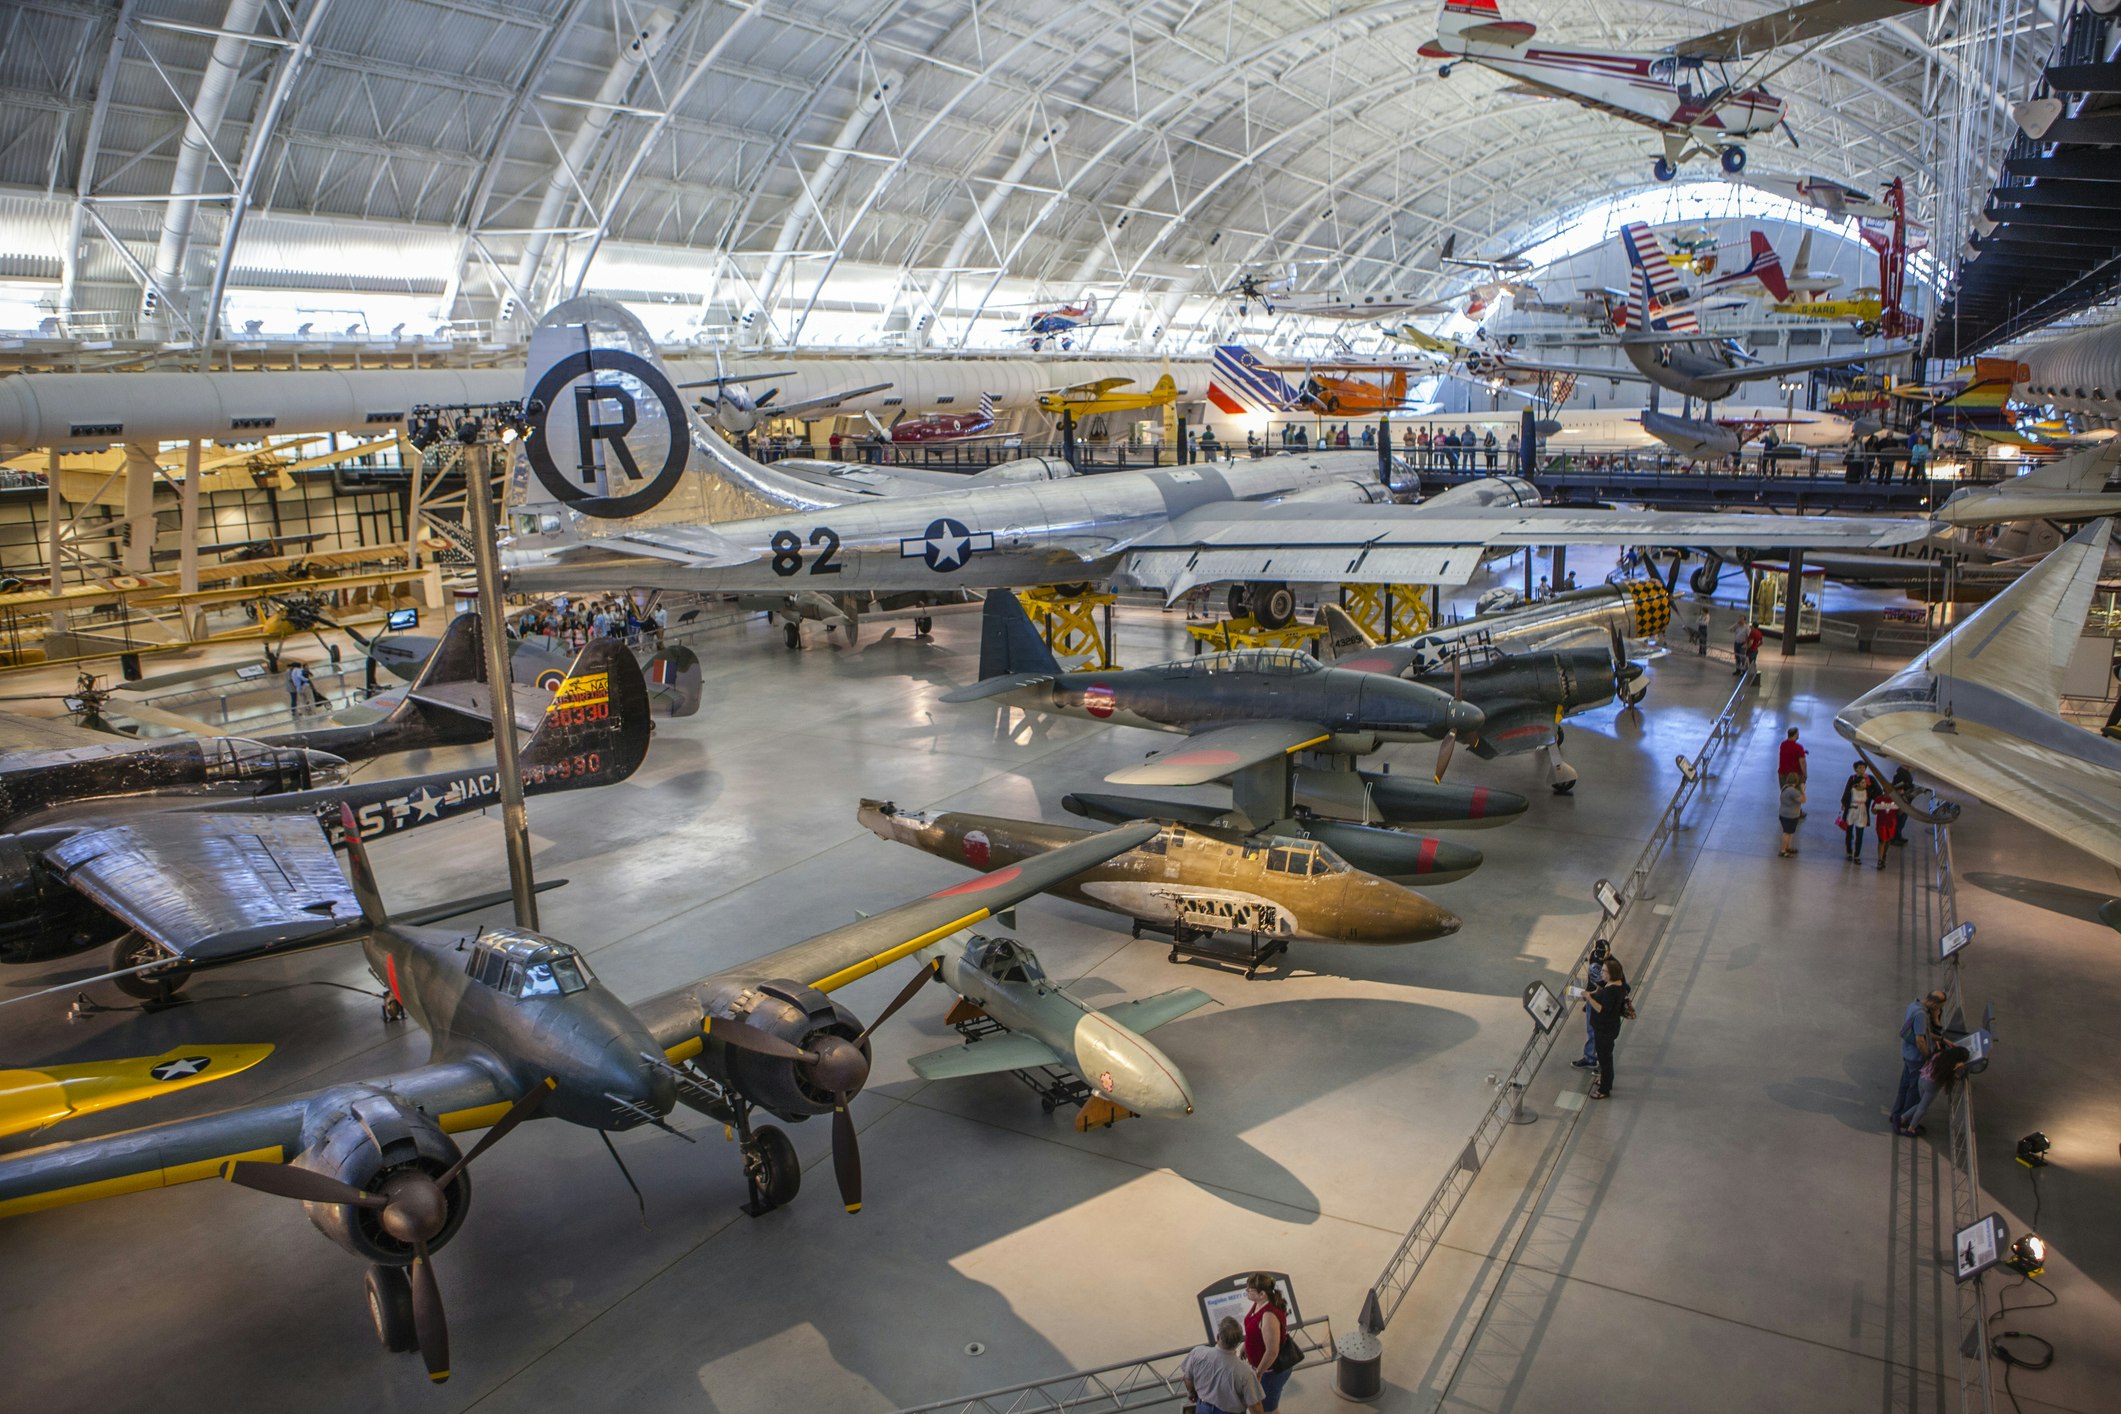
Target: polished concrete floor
1730 1220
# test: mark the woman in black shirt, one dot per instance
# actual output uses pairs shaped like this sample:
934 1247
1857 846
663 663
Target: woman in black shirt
1609 1006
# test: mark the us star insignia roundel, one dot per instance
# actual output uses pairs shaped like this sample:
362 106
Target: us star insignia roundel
945 545
179 1069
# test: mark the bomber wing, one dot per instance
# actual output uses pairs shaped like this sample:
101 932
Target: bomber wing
209 884
20 733
849 953
1812 20
1309 542
37 1097
1751 371
1213 754
459 1094
1977 710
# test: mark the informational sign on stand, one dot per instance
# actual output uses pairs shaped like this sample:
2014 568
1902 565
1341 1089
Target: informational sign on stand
1608 897
1977 1248
1951 942
1544 1006
1227 1298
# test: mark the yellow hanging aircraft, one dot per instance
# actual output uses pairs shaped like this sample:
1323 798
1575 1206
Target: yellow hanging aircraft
1090 399
31 1100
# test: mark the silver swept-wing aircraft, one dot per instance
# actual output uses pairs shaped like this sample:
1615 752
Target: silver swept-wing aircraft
621 486
2071 487
1977 711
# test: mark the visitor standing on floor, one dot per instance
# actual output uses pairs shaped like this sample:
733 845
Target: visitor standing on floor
1268 1349
1593 979
1609 1006
1217 1381
1921 1026
1788 813
1856 797
1791 768
1938 1073
1885 819
1903 791
1740 633
1753 637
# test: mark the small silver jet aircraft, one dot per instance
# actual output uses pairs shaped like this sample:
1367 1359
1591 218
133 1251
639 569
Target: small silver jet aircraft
620 485
1977 710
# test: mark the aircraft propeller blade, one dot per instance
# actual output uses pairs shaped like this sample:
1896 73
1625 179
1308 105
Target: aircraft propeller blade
748 1038
428 1323
1449 744
846 1153
303 1185
906 994
770 395
533 1100
1443 755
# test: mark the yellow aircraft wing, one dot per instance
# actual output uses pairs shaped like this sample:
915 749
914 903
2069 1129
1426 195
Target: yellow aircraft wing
1091 390
38 1098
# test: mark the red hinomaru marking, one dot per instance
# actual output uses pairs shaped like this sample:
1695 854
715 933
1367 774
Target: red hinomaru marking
1097 700
976 851
985 881
1374 664
1206 756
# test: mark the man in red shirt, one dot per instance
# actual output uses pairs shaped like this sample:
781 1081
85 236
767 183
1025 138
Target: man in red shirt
1791 768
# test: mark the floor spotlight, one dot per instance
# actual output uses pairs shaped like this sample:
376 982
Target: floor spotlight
2032 1150
2028 1256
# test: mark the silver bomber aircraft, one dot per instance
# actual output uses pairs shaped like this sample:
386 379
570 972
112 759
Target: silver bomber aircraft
620 485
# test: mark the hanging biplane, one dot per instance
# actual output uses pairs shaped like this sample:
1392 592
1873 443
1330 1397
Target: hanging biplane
1706 95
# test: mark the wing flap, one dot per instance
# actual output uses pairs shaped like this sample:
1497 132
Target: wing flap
1147 1013
207 884
1214 754
990 1055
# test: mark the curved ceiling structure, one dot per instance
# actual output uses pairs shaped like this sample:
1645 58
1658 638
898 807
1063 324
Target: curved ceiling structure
848 170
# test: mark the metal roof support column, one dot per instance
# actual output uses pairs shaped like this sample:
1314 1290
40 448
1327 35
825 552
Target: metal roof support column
816 187
223 68
85 170
647 42
285 72
983 216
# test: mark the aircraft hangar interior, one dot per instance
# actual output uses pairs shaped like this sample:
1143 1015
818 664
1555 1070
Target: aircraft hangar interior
1109 705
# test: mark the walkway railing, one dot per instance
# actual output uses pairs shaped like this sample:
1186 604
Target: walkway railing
1147 1383
1976 1392
1405 1265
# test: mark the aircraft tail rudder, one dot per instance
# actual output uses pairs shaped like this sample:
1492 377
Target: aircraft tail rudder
1343 635
1766 267
1254 387
673 676
1164 385
1009 644
595 730
614 439
986 407
2086 470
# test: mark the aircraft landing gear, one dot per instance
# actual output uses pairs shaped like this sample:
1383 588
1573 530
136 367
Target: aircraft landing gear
390 1309
771 1172
1705 579
792 635
393 1011
924 625
1271 604
1733 159
135 950
1664 169
1560 774
1444 71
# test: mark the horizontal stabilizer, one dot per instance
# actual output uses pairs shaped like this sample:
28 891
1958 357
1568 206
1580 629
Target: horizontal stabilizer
1145 1015
994 687
990 1055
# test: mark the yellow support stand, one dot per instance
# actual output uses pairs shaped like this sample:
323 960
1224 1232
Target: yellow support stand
1387 612
1246 633
1079 635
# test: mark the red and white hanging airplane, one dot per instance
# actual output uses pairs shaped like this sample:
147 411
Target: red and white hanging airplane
1706 95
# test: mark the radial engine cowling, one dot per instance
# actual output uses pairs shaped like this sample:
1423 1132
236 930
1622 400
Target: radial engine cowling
806 1018
371 1140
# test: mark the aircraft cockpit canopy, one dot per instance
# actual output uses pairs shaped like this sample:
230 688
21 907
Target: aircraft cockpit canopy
519 964
1301 859
1276 662
1005 960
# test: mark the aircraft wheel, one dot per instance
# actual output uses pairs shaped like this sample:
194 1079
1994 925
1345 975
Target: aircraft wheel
1565 788
923 625
390 1308
134 950
1273 605
1733 159
773 1166
1868 328
1704 579
1663 170
1444 71
792 635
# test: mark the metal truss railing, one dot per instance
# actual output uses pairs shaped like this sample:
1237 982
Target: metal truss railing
1405 1265
1976 1391
1147 1383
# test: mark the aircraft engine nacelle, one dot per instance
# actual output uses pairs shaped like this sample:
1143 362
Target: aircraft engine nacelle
1352 492
364 1143
40 916
1026 469
806 1018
